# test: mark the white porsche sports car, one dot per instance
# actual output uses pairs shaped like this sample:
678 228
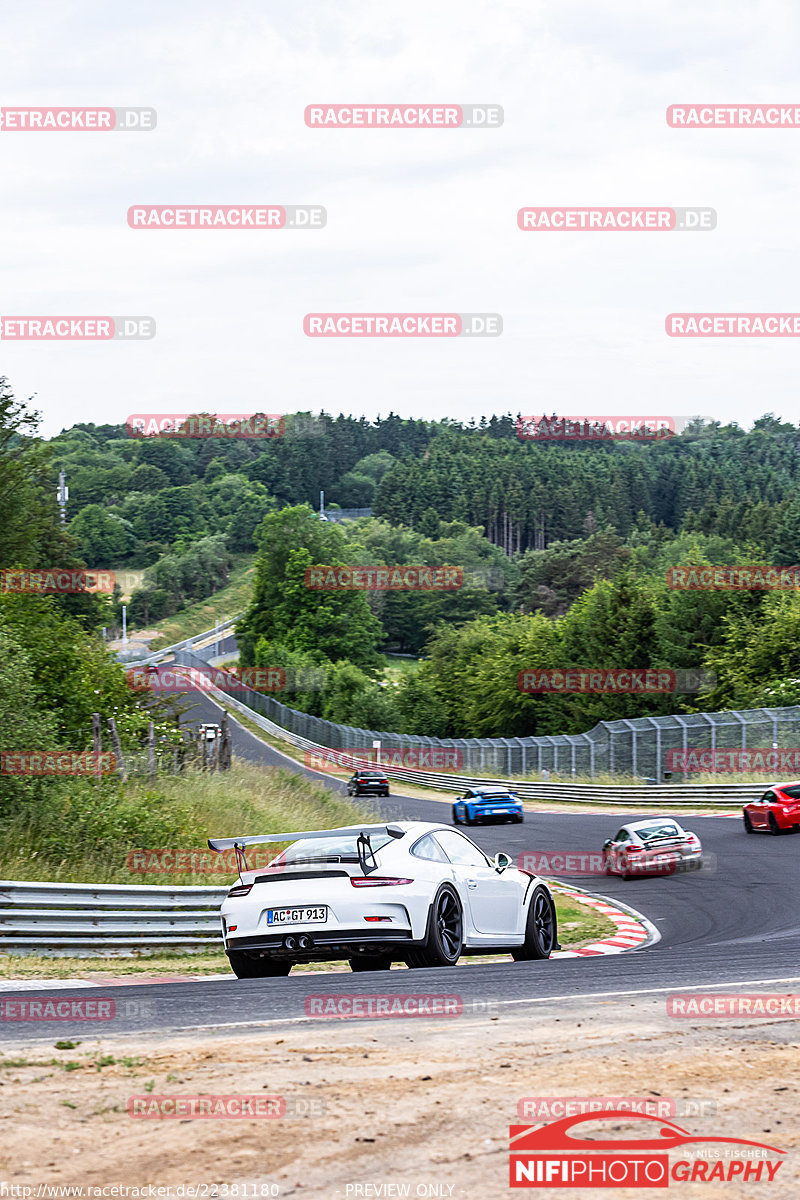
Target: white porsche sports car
653 846
408 892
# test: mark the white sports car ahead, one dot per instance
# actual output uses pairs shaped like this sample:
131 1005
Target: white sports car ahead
408 892
654 846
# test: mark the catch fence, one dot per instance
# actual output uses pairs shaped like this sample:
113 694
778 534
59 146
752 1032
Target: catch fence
652 748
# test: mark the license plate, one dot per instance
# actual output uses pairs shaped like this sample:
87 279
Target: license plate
297 916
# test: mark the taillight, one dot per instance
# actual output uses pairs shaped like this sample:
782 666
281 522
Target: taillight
635 849
241 889
376 880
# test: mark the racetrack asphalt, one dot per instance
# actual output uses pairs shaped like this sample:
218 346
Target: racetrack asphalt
738 924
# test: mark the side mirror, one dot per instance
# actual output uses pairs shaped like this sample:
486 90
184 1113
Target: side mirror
501 861
606 843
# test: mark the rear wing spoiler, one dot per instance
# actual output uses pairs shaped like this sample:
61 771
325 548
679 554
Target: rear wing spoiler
362 833
259 839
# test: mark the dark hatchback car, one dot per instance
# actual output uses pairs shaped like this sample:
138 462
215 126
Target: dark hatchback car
368 783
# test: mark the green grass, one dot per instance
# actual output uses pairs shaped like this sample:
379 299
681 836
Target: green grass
198 617
88 832
577 923
397 666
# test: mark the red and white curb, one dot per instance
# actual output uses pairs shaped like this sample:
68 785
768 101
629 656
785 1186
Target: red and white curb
633 930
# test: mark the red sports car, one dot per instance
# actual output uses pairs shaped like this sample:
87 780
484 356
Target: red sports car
777 811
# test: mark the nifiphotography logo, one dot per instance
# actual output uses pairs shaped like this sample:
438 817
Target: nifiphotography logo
552 1156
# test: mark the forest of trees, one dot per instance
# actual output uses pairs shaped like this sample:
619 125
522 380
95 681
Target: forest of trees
55 670
565 548
133 498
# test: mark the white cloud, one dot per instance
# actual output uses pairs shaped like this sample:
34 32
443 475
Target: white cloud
416 220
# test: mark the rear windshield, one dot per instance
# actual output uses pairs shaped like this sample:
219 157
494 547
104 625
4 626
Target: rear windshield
341 849
492 795
649 832
371 775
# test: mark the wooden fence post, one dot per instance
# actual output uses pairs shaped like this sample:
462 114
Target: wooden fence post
115 742
97 742
151 751
226 749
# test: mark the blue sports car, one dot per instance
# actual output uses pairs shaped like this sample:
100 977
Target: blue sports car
487 804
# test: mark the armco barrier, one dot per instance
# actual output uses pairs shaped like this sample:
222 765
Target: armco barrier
730 795
86 920
187 644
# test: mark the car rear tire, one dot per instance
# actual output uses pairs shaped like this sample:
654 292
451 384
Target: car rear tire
518 820
748 824
608 866
774 828
540 928
456 820
370 962
444 936
245 967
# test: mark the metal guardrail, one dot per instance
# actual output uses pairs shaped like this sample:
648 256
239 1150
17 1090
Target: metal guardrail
659 796
187 644
101 920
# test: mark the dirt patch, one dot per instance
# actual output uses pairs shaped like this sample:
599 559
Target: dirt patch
422 1103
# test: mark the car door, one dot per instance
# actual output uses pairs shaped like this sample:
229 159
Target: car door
617 847
760 812
494 898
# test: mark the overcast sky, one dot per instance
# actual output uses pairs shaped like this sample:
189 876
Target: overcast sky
417 220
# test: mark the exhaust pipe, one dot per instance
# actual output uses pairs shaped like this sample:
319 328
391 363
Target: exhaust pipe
290 943
304 942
